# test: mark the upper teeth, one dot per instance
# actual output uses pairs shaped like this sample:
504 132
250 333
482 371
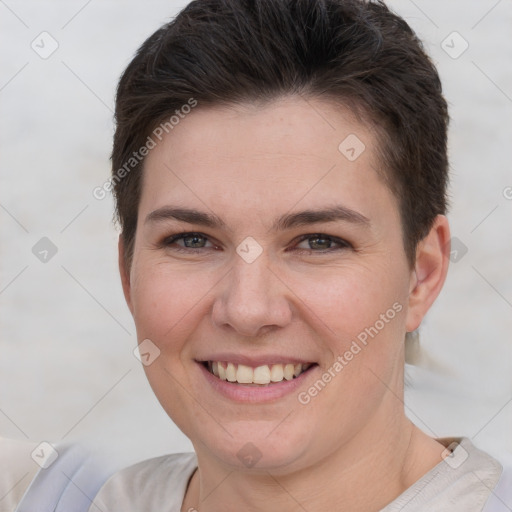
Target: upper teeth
260 375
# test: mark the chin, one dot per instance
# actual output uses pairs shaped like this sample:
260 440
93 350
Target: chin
255 448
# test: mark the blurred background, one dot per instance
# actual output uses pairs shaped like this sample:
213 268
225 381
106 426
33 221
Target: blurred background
67 369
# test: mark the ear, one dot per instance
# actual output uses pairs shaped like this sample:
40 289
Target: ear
430 269
125 273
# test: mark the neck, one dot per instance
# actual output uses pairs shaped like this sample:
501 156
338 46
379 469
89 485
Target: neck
363 475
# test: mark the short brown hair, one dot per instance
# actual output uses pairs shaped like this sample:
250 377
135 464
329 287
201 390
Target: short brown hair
354 52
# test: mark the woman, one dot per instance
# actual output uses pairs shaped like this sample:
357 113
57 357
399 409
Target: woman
280 174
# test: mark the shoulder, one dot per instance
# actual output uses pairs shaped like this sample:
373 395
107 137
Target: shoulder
500 499
46 477
148 485
481 478
462 482
18 470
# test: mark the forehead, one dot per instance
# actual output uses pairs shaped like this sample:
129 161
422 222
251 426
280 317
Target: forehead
265 159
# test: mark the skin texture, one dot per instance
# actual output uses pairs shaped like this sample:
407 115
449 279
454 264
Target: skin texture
351 445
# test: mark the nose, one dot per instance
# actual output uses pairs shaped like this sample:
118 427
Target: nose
253 301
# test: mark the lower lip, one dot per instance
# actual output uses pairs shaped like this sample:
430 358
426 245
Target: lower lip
254 394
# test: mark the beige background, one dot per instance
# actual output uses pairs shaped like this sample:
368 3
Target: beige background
66 365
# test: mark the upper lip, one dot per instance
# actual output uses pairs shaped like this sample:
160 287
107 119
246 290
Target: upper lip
254 361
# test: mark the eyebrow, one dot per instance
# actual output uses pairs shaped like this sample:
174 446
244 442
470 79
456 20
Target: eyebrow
286 221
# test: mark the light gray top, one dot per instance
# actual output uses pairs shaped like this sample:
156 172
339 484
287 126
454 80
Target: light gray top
465 481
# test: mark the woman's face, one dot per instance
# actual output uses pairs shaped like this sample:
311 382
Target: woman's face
293 255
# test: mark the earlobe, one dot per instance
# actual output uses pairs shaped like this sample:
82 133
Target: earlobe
429 272
124 271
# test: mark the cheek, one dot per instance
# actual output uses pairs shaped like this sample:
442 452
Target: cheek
167 303
351 299
167 306
363 315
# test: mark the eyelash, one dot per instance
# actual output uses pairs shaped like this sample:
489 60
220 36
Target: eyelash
342 244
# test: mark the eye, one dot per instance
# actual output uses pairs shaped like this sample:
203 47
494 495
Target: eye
320 242
184 241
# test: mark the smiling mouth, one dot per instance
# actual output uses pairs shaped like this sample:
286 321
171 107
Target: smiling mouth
264 375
